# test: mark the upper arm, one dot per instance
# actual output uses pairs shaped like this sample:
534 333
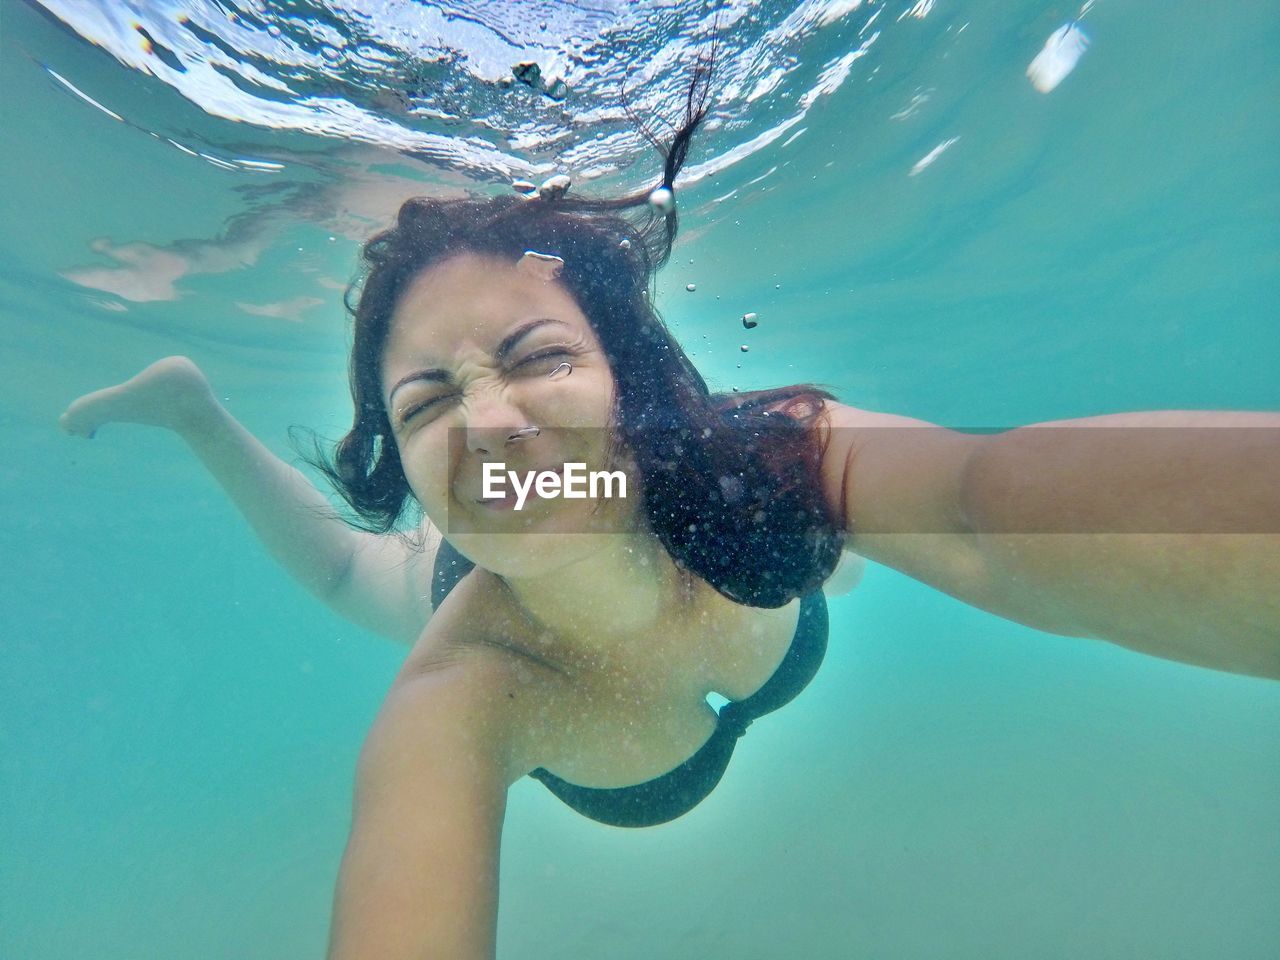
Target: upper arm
387 586
419 875
897 481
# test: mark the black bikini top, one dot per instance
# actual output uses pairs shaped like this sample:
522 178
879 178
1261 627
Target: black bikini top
680 790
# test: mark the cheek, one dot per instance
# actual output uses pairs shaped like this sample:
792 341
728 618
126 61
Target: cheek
589 403
425 461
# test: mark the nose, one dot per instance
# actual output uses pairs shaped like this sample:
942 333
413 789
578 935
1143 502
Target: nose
493 425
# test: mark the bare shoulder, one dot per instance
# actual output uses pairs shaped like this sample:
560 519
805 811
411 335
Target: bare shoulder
841 428
897 481
483 701
448 705
469 662
835 424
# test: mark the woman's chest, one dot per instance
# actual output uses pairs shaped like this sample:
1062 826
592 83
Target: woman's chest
632 718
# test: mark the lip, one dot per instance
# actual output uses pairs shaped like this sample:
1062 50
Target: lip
505 503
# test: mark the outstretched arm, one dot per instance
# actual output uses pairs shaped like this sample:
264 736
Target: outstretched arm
1160 533
419 876
378 582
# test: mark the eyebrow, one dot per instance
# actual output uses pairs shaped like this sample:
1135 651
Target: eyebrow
441 375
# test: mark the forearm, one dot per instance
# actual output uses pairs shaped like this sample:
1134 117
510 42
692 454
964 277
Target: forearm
384 910
1162 536
294 521
419 876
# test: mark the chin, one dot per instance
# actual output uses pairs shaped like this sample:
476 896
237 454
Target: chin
519 555
520 544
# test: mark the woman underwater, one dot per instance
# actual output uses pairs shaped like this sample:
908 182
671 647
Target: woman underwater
576 640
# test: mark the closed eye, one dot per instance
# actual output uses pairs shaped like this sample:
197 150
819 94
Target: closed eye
418 408
411 412
544 355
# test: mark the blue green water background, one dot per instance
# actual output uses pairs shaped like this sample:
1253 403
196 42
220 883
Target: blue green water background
179 721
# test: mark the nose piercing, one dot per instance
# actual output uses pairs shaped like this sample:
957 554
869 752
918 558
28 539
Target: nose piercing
528 433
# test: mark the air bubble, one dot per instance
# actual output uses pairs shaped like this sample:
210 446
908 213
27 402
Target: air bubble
749 320
663 199
691 287
731 488
624 243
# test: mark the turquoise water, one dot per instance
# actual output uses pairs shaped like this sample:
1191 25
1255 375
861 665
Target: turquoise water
180 721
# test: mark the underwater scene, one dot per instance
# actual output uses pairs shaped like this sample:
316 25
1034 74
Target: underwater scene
239 719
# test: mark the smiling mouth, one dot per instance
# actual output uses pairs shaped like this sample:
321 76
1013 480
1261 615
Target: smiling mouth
510 498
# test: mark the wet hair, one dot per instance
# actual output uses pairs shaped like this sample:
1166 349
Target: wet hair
730 482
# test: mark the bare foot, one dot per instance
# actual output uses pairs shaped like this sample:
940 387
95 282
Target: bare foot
171 393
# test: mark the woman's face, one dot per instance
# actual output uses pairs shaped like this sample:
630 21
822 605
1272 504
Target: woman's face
476 351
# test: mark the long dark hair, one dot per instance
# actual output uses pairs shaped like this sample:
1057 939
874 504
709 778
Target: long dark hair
731 482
